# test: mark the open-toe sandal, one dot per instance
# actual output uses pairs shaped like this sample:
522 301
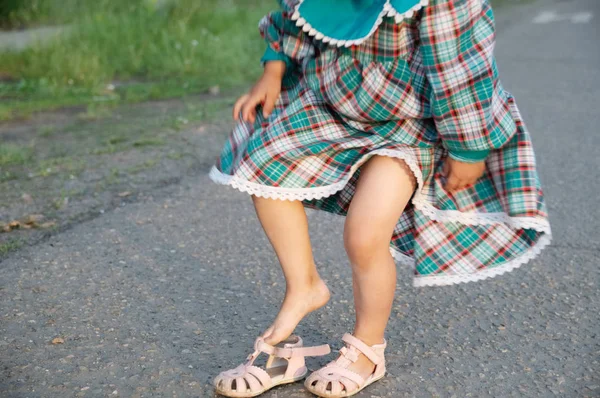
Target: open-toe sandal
285 364
336 380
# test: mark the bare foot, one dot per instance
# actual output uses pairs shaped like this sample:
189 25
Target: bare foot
296 305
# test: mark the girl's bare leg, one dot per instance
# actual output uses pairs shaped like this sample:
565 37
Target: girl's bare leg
384 188
286 227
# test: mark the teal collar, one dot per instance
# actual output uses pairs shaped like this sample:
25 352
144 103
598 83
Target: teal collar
350 22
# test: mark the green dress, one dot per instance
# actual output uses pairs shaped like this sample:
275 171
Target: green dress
412 80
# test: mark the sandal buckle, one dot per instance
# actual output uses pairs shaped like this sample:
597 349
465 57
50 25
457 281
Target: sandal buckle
349 354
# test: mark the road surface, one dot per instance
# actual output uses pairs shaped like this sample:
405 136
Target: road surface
154 298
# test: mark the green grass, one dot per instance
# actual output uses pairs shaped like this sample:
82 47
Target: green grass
11 154
148 142
129 51
10 246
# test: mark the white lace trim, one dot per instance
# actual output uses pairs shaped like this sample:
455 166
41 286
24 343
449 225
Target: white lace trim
538 224
446 280
281 193
388 10
399 16
419 201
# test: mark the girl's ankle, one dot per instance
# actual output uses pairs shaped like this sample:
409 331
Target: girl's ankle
368 339
302 287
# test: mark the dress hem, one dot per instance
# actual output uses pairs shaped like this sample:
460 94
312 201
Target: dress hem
420 203
447 280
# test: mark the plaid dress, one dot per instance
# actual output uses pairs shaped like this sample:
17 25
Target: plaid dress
419 90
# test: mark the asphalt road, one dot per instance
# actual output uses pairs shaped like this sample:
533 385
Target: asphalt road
156 297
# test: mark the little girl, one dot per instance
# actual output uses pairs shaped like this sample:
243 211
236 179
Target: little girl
391 113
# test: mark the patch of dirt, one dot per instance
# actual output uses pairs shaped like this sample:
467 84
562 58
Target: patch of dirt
73 165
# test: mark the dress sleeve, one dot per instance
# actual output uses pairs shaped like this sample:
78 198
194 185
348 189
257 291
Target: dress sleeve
285 41
469 105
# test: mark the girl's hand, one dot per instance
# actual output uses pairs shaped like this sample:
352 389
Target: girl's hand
460 175
265 92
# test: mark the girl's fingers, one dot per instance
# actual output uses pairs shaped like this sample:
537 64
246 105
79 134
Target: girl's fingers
252 115
269 105
237 109
456 184
453 183
249 107
462 184
238 106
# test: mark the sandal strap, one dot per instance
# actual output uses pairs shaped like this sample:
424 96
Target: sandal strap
334 375
256 377
261 375
362 347
341 371
280 352
314 351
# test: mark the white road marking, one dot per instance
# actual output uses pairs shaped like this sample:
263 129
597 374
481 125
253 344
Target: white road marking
552 16
582 17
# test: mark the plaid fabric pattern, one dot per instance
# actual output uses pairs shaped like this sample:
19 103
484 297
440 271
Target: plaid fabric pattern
343 105
457 43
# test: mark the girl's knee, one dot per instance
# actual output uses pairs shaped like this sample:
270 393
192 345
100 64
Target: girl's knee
363 246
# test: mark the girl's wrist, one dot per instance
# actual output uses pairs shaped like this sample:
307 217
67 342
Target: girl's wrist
275 68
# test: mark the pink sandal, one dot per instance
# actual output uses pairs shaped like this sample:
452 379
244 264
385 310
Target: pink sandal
285 365
335 380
